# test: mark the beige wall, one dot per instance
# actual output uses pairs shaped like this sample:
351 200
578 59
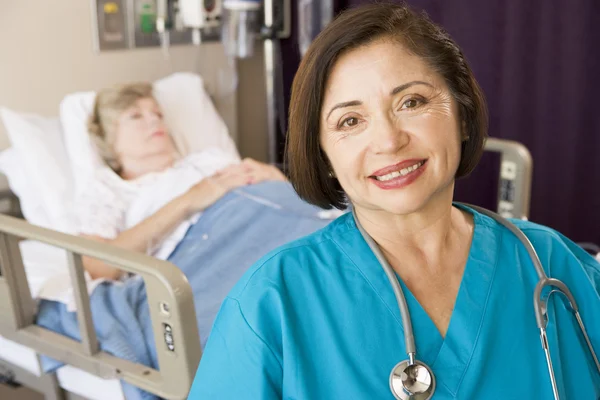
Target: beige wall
252 107
49 53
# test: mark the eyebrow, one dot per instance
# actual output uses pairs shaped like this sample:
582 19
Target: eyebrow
401 88
394 91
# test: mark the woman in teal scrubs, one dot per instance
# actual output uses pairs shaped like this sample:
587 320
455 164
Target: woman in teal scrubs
386 114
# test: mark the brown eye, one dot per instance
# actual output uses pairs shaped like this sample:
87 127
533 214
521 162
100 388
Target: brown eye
411 103
350 122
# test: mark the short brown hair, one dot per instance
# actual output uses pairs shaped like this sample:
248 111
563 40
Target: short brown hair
110 103
309 169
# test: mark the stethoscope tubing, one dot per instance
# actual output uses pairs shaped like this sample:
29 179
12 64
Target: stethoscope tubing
539 299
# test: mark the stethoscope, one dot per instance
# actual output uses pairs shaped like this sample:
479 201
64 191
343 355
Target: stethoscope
413 379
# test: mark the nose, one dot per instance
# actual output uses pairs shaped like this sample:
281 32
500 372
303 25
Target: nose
152 119
388 136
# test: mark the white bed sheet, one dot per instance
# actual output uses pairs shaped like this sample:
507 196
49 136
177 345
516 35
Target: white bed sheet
69 378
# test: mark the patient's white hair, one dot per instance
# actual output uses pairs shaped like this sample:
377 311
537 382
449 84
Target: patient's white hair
109 105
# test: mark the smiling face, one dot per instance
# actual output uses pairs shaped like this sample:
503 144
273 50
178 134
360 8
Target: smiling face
390 129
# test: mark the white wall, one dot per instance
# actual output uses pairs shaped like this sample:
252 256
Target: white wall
46 52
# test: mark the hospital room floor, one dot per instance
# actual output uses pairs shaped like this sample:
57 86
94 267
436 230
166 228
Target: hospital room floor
20 393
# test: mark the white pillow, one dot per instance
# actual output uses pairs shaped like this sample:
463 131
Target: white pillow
46 267
39 151
189 113
83 159
32 205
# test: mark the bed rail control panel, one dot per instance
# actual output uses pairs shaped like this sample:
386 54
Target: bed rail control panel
514 188
506 194
168 333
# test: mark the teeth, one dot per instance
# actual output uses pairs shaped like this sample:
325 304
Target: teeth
402 172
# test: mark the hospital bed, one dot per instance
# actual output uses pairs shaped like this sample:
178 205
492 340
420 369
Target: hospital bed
89 373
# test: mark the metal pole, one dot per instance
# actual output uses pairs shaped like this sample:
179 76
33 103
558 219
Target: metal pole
269 48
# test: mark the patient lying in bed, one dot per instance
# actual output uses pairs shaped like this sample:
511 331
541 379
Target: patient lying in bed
148 196
210 214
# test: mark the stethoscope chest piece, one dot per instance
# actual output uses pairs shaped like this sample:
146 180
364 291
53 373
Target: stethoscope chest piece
414 382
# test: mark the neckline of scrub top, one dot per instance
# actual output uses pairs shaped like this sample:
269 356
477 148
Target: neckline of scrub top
448 357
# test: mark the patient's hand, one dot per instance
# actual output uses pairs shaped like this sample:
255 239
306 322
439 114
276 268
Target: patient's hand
206 192
260 172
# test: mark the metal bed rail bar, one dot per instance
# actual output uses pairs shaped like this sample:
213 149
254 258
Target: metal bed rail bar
169 298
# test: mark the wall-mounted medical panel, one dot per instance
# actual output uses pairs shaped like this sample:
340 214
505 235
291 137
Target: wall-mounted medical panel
131 24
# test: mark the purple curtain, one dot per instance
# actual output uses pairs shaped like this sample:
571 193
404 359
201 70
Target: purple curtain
538 63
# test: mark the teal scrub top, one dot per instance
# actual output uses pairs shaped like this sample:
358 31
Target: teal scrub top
317 319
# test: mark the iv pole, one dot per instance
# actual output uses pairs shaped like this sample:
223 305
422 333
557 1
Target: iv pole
312 16
277 21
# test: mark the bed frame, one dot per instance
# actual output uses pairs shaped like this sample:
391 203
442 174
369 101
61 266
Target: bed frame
169 297
514 186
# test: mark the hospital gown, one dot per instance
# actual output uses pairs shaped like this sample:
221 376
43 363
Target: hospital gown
110 204
317 319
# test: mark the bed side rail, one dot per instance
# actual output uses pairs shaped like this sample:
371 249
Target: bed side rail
169 297
514 191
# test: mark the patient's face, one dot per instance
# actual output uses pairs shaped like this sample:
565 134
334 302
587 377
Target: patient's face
141 134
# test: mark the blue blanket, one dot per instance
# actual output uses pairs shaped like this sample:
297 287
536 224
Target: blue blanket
216 251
